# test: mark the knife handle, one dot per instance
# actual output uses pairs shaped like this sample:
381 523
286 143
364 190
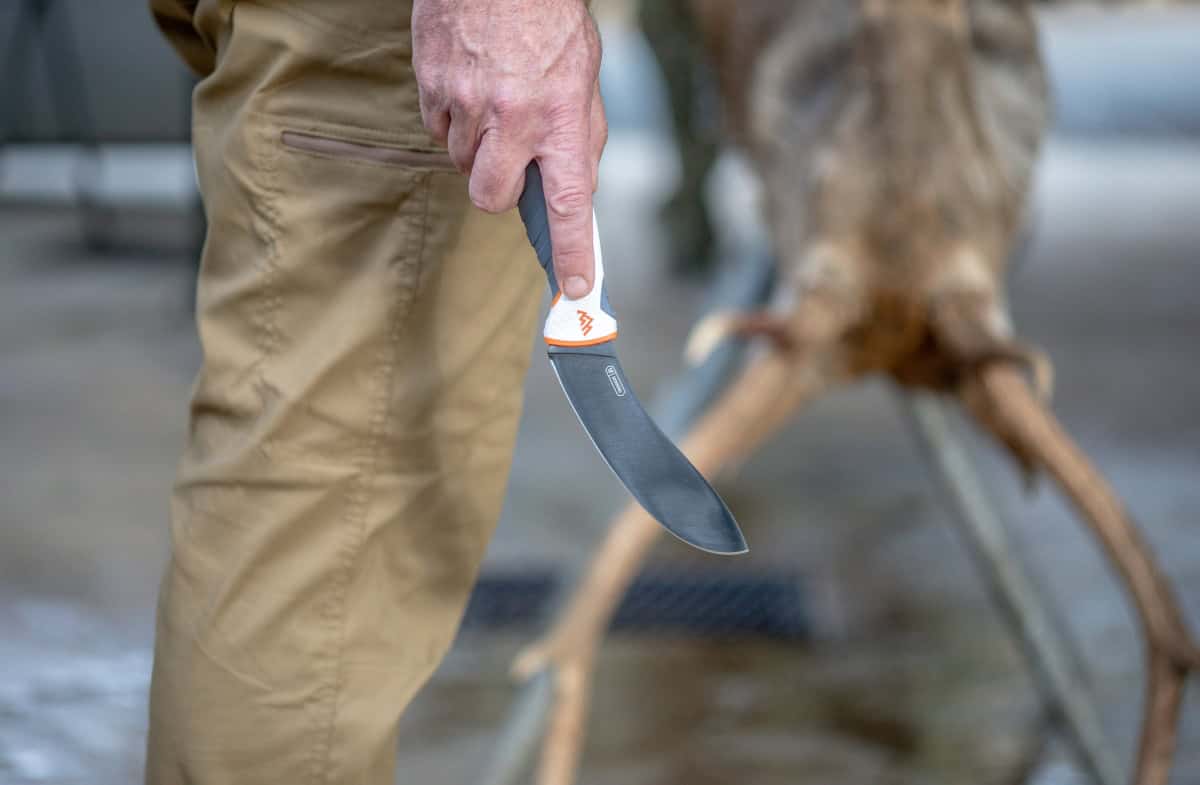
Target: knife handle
588 321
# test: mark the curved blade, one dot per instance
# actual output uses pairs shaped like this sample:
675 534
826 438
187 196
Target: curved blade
580 334
650 466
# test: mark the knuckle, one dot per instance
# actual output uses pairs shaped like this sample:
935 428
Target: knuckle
461 151
426 75
568 201
463 96
462 162
436 129
508 102
432 116
487 203
486 193
430 85
564 119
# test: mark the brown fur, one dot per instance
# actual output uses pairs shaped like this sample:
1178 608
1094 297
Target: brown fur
896 141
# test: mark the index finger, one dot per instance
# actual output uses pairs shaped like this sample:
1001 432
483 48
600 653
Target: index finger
566 178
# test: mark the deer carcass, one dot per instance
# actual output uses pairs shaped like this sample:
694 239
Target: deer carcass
895 141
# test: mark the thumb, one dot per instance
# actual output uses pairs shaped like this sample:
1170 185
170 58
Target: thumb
566 178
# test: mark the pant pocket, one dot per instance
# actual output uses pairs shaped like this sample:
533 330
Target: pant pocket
365 152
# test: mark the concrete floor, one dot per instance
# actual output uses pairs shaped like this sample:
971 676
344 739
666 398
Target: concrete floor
913 678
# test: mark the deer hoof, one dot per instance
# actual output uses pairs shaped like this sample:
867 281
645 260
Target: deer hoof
706 336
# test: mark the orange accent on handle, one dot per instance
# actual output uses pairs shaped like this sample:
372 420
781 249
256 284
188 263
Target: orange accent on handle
585 321
593 342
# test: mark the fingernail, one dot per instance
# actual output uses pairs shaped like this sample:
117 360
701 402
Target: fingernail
575 287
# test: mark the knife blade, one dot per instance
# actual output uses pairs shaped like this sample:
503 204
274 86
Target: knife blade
580 339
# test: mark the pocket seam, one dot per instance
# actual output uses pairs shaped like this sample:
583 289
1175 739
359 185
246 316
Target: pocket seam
399 134
363 151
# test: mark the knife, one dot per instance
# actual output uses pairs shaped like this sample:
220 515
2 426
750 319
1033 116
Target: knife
581 342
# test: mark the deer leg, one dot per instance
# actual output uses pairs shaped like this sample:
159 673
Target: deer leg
755 406
1053 656
999 397
711 331
570 647
977 332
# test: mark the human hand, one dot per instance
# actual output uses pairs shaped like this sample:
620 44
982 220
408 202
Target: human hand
506 82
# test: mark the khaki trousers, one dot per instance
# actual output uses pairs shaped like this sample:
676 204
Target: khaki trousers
366 335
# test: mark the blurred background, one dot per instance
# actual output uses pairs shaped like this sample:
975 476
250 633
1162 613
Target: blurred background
888 662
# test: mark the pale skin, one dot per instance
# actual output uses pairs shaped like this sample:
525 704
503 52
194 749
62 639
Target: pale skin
506 82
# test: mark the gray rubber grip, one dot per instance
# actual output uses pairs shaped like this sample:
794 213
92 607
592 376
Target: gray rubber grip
532 207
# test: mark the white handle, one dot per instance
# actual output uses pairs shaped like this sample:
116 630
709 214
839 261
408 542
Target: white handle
582 322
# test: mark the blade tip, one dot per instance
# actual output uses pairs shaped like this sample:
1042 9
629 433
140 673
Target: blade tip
736 550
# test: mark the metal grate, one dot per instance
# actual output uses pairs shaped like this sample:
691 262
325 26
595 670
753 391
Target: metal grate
701 604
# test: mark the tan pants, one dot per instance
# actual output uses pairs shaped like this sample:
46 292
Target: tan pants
366 336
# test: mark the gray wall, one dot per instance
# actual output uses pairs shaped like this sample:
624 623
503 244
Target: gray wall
132 84
1130 73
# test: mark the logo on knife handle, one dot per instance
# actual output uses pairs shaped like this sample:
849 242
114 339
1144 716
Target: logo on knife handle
614 379
585 321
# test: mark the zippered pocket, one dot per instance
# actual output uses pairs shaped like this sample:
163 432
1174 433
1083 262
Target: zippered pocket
366 152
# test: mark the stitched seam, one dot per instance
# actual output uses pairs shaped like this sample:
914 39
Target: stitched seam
419 264
354 519
271 298
266 156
